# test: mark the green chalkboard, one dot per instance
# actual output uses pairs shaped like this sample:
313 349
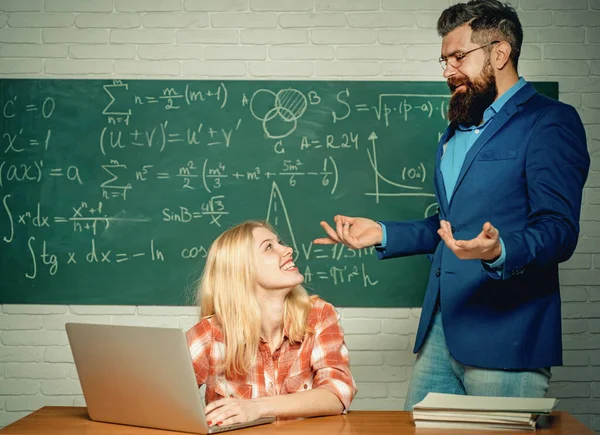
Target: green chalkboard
112 191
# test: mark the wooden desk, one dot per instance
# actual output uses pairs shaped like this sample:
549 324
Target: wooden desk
67 420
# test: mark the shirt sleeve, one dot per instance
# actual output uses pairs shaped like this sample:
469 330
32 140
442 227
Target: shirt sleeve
330 360
199 339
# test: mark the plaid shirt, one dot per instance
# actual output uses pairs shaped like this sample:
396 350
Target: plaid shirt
319 361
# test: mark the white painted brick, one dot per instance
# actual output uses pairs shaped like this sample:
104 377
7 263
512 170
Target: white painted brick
359 404
301 52
590 116
422 5
21 66
175 20
595 134
98 51
379 20
577 19
400 326
593 148
530 52
346 5
274 37
280 69
378 342
398 389
153 36
8 321
35 309
423 52
343 36
576 374
138 67
31 36
593 195
79 401
36 371
228 52
579 84
369 52
75 67
214 69
3 19
430 69
186 323
108 21
535 19
382 374
366 358
592 101
215 5
169 52
571 51
580 406
580 277
574 100
58 354
551 68
57 322
78 6
281 5
372 390
361 326
595 358
21 5
207 37
148 5
19 386
21 354
594 326
581 342
33 403
580 311
553 4
593 35
578 261
555 34
347 68
427 20
596 390
82 36
62 387
576 358
573 294
34 338
380 313
595 4
244 20
33 50
574 326
562 390
409 36
399 358
333 19
29 19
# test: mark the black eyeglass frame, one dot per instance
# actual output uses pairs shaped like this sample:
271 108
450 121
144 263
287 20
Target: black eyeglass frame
444 60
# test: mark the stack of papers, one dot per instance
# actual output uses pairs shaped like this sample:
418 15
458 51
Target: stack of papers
454 411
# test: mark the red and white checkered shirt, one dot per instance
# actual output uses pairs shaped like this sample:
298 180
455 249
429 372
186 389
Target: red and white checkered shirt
319 361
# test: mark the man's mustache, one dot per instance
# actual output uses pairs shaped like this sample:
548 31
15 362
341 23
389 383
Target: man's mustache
454 83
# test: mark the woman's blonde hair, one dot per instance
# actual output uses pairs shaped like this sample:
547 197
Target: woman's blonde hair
226 291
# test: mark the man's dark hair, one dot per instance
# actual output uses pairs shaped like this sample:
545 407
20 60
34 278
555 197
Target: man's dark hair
490 20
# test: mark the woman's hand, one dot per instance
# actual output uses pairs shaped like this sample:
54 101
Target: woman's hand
230 410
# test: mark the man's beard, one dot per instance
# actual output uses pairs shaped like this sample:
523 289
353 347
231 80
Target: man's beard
467 107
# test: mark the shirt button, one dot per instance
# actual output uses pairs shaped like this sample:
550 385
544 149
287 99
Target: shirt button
270 384
231 396
305 386
438 272
476 131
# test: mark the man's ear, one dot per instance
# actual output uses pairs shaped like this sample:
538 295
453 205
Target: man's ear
501 54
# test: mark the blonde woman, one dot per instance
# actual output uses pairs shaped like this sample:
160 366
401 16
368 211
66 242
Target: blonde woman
263 346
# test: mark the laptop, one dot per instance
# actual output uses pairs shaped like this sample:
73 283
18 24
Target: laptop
140 376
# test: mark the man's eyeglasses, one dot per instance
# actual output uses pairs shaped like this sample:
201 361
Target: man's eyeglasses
456 59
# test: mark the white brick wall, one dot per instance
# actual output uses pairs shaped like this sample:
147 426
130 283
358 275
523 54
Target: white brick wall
302 39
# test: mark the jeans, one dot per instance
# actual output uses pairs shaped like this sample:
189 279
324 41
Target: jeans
437 371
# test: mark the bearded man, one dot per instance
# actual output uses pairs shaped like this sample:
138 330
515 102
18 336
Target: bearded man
510 171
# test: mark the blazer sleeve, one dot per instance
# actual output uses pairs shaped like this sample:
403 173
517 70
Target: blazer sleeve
556 167
410 237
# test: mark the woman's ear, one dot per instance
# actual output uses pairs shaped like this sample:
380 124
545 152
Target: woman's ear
501 54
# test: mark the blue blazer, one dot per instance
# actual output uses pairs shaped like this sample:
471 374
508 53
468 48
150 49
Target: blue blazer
525 175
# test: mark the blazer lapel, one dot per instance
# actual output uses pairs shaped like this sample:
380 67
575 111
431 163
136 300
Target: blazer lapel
508 110
439 179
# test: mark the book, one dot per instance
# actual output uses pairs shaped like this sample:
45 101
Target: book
454 411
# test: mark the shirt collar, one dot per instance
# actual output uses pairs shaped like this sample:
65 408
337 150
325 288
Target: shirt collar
495 107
